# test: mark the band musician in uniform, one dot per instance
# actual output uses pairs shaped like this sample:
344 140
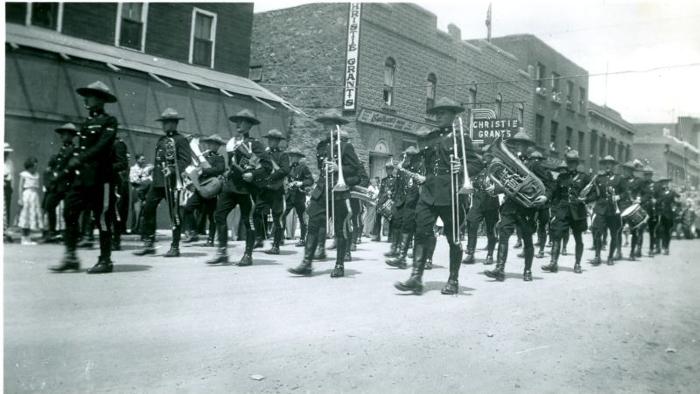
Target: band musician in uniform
59 180
298 181
436 199
214 167
90 190
271 194
386 192
249 165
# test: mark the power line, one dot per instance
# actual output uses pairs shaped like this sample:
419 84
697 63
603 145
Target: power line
503 81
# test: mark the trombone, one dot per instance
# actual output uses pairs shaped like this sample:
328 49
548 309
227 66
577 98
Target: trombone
340 185
467 187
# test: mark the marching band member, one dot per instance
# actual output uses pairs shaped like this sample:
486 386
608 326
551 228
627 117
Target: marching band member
386 190
120 191
59 180
606 212
407 194
666 206
647 193
206 206
299 179
568 212
484 208
92 165
435 200
327 159
173 155
631 196
515 215
536 160
249 165
271 195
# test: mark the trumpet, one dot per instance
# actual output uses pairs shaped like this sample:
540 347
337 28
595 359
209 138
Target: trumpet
467 186
341 186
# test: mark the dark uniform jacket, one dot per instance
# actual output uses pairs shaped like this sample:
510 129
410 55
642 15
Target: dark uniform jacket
481 199
217 166
567 189
630 185
407 189
242 156
58 178
300 173
95 142
120 163
666 204
647 193
275 180
352 168
545 175
183 158
387 189
436 148
606 185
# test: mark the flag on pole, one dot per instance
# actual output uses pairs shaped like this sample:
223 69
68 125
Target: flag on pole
488 23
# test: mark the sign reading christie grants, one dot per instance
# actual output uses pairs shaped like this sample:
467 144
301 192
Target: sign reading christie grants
352 50
487 130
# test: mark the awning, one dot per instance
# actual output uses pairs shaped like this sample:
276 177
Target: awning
112 56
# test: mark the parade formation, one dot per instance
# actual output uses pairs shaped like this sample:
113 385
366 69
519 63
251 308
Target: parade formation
443 186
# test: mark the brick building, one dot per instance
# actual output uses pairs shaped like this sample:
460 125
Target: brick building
672 149
610 134
558 97
192 57
403 64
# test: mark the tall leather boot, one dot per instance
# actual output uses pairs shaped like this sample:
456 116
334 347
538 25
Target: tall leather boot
148 247
400 260
393 251
597 246
578 250
103 266
339 269
553 265
415 281
320 253
70 261
309 249
529 256
498 272
452 285
247 258
221 257
429 253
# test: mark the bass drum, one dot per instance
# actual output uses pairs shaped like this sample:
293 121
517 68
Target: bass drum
210 188
386 208
634 216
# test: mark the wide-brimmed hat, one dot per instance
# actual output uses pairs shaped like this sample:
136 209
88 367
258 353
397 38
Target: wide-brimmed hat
169 114
562 165
572 155
630 164
389 164
275 134
536 155
663 179
444 103
245 114
8 148
332 116
608 159
98 89
647 169
521 136
214 139
67 128
295 152
411 150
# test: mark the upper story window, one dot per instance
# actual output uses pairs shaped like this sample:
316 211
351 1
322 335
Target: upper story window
499 105
582 99
540 74
570 91
389 72
554 129
45 15
430 91
202 37
521 113
131 25
472 97
555 82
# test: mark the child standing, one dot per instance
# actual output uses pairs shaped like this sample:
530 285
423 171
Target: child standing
29 186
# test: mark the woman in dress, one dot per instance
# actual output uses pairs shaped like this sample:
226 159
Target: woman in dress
30 218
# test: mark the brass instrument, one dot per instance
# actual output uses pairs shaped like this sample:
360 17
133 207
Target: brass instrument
172 192
250 160
510 174
340 186
613 199
209 188
586 191
362 193
467 186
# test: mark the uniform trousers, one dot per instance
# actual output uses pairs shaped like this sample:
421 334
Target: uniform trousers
96 201
297 201
270 200
226 202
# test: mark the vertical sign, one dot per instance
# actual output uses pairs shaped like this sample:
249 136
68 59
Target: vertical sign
352 51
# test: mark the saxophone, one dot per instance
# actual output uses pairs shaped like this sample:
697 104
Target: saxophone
510 174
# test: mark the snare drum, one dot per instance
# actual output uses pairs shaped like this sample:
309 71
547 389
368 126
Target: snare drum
634 216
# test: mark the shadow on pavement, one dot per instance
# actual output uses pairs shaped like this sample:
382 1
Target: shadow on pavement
437 286
130 267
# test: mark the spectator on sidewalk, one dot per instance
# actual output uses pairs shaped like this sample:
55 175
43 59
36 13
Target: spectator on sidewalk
7 200
30 218
140 177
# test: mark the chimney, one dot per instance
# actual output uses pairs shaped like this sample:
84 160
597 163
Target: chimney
454 31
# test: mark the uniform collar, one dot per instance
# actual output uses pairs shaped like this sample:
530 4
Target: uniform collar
96 112
171 133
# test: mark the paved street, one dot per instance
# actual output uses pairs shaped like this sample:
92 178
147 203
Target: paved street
177 325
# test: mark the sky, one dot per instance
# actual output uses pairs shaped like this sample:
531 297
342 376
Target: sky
600 36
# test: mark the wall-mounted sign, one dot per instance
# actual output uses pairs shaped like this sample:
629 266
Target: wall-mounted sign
352 50
485 128
387 121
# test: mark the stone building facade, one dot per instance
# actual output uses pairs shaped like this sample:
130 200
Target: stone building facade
672 149
404 64
610 134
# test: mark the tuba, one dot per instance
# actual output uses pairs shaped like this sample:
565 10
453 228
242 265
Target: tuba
510 174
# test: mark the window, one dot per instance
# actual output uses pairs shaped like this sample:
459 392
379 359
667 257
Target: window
472 97
621 152
255 73
499 105
628 153
430 92
569 135
570 91
521 113
582 100
555 82
131 25
581 138
539 129
540 75
202 37
594 149
611 147
553 136
46 15
389 71
601 147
